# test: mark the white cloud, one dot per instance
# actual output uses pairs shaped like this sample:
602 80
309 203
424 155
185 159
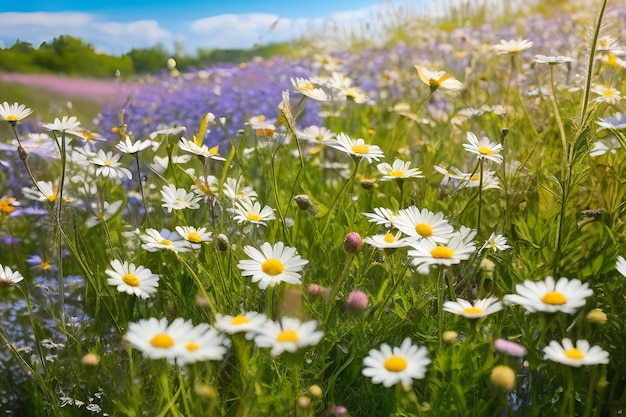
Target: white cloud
244 30
112 37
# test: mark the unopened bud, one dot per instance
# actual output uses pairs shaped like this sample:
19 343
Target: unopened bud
353 242
449 336
304 401
222 242
596 316
90 360
315 391
303 201
503 377
356 302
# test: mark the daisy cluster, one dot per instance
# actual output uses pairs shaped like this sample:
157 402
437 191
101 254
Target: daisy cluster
199 213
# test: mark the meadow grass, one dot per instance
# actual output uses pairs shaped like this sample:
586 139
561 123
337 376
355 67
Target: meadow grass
430 229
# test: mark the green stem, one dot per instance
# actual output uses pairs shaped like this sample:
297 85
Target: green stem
337 287
141 192
480 193
394 289
333 205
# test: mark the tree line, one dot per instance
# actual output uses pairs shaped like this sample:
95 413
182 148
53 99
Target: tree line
72 56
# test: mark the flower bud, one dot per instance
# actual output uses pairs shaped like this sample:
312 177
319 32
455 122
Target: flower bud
303 201
449 336
503 377
315 391
353 242
90 360
304 401
596 316
510 348
222 242
339 410
356 302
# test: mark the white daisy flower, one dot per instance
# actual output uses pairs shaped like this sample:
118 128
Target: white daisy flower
157 339
13 113
398 170
131 279
309 88
235 190
423 224
201 150
581 354
496 243
477 309
130 147
288 335
439 80
381 215
272 264
200 343
8 277
194 236
319 135
250 322
426 252
109 166
178 198
549 296
387 241
357 148
208 186
65 124
400 364
484 148
102 213
155 240
45 191
251 212
606 94
262 127
514 46
600 147
553 60
621 265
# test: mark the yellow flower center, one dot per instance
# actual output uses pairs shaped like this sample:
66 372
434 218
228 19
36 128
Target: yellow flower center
272 267
424 230
11 118
395 364
442 252
362 149
238 320
265 132
131 279
162 340
475 177
166 242
45 266
287 336
472 310
397 174
107 163
612 60
554 298
253 216
574 353
192 346
194 237
608 93
485 150
389 238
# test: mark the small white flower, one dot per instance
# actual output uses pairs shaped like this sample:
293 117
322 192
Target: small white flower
387 241
13 113
581 354
426 252
109 166
381 215
201 150
439 80
549 296
194 236
606 94
319 135
235 190
357 148
288 335
309 89
157 339
401 364
45 191
8 277
127 145
398 170
512 46
178 198
600 147
272 264
250 322
65 124
484 148
477 309
496 243
200 343
131 279
155 240
423 224
251 212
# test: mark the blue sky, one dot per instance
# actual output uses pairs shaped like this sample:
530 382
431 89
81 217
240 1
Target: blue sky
116 26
